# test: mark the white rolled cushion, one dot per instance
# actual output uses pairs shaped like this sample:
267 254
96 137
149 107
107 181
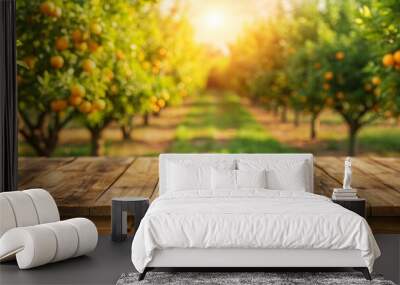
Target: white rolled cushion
251 178
67 240
7 218
223 179
23 208
37 245
33 246
45 205
189 177
87 235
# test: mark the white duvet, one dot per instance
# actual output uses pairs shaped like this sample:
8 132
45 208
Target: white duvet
250 219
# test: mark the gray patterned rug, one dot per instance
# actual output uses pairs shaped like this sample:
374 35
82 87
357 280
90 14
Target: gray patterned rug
269 278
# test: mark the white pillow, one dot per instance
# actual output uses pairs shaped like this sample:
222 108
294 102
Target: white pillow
251 178
291 175
223 179
188 177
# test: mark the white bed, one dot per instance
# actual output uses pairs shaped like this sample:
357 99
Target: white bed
249 227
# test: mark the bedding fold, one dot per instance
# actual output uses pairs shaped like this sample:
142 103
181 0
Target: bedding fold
252 218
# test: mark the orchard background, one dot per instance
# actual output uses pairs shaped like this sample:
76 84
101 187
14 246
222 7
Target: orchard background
130 77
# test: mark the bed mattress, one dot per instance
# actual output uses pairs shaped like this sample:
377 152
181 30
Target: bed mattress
250 219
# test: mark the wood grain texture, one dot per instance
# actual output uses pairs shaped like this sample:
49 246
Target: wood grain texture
84 186
383 198
140 179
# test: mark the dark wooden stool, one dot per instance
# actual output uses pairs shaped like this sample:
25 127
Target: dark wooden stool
120 208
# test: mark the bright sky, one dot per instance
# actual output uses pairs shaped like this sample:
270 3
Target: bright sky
219 22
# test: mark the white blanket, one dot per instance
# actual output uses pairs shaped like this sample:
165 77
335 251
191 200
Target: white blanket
250 219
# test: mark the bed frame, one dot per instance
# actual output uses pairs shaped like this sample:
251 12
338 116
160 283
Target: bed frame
246 259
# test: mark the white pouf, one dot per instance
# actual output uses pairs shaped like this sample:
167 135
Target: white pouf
31 232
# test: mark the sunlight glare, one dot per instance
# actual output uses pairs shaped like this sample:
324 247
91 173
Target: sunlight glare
214 19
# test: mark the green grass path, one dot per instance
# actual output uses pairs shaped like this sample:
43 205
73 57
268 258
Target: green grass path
217 122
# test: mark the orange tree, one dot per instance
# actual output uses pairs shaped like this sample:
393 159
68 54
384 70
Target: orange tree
306 37
354 91
354 86
380 21
115 63
48 76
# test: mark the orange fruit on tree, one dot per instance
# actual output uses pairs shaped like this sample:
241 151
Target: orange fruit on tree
108 74
57 12
30 61
47 8
61 43
317 65
162 52
368 87
58 105
376 80
329 101
82 46
88 65
340 95
326 86
339 55
120 55
396 57
57 61
77 90
85 107
388 60
93 46
76 36
328 75
75 100
155 108
161 103
95 28
99 104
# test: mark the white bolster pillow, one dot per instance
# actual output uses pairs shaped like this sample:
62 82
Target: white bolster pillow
40 244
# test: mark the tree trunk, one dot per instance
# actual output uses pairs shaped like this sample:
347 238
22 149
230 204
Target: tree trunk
146 119
126 132
313 127
95 135
284 114
296 120
352 146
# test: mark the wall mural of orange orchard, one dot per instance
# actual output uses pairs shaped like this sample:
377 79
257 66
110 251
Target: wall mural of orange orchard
99 61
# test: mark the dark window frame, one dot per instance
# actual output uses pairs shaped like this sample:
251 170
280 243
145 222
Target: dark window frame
8 97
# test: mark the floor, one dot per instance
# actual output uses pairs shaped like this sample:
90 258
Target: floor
106 264
103 266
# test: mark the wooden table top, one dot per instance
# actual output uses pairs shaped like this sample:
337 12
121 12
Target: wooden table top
85 186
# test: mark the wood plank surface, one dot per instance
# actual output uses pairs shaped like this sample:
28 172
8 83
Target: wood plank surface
383 199
140 179
84 186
